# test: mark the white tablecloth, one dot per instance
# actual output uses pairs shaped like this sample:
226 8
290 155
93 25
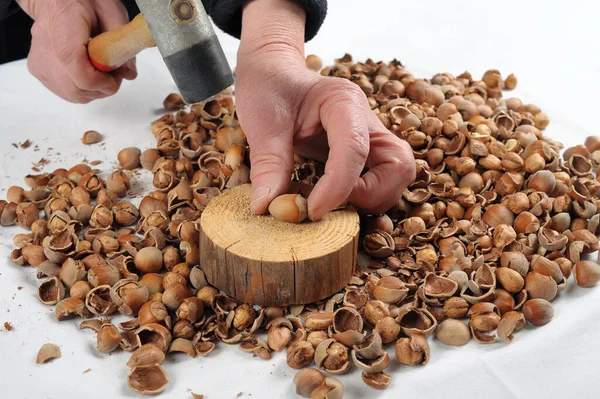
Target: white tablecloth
552 48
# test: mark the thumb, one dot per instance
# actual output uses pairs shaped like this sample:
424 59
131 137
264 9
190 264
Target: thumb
272 161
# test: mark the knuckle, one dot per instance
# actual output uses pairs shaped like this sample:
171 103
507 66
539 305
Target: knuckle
265 163
358 144
347 89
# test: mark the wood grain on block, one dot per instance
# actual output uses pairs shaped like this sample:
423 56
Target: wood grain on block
260 260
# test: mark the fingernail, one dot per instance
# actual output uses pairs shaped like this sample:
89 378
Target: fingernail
259 194
314 214
132 65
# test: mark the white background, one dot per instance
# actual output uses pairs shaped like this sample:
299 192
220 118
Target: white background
551 46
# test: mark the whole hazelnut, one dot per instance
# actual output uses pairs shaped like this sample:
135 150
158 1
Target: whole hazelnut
149 260
586 273
129 158
538 311
388 328
456 307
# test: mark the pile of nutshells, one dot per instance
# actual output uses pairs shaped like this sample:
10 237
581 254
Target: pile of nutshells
486 236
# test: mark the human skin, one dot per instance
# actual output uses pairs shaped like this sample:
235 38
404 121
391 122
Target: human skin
282 106
58 55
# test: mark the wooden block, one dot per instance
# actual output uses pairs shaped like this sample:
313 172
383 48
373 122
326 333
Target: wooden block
260 260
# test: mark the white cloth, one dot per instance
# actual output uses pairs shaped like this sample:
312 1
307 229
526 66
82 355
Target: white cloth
552 48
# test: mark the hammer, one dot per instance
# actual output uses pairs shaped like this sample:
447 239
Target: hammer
185 38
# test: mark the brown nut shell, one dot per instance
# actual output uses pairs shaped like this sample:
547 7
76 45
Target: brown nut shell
586 273
307 380
538 311
148 380
413 350
108 338
291 208
453 332
379 380
300 354
47 352
155 334
51 291
146 355
332 357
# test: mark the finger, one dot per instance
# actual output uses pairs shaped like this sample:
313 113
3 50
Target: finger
343 118
272 160
391 170
69 48
61 84
87 77
111 14
317 148
127 71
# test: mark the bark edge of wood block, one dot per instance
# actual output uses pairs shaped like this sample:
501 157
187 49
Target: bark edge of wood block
260 260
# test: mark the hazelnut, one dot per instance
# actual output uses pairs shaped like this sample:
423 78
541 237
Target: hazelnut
244 317
453 332
129 158
586 273
174 296
538 311
510 279
300 354
388 329
291 208
307 380
540 286
413 350
316 337
498 214
375 311
149 260
91 137
314 63
456 307
108 338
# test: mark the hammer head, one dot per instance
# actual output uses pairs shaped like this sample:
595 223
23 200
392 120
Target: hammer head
189 46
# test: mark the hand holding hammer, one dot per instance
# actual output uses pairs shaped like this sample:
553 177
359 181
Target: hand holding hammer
185 38
60 43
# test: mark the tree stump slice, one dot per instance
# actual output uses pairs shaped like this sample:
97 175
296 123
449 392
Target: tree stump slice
261 260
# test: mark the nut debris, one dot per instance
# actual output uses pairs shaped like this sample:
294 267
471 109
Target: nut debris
496 221
148 380
47 352
91 137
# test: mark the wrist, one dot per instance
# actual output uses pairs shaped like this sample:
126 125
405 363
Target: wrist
272 25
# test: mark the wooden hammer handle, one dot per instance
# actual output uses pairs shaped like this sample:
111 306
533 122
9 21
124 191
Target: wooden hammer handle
109 50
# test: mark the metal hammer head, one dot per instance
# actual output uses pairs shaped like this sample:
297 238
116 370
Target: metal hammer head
189 46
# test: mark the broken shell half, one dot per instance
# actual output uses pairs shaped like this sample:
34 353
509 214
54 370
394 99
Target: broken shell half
148 379
371 347
379 380
332 357
51 291
307 380
47 352
156 334
511 322
376 365
69 308
331 388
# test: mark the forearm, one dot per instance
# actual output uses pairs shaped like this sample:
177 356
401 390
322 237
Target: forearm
272 24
